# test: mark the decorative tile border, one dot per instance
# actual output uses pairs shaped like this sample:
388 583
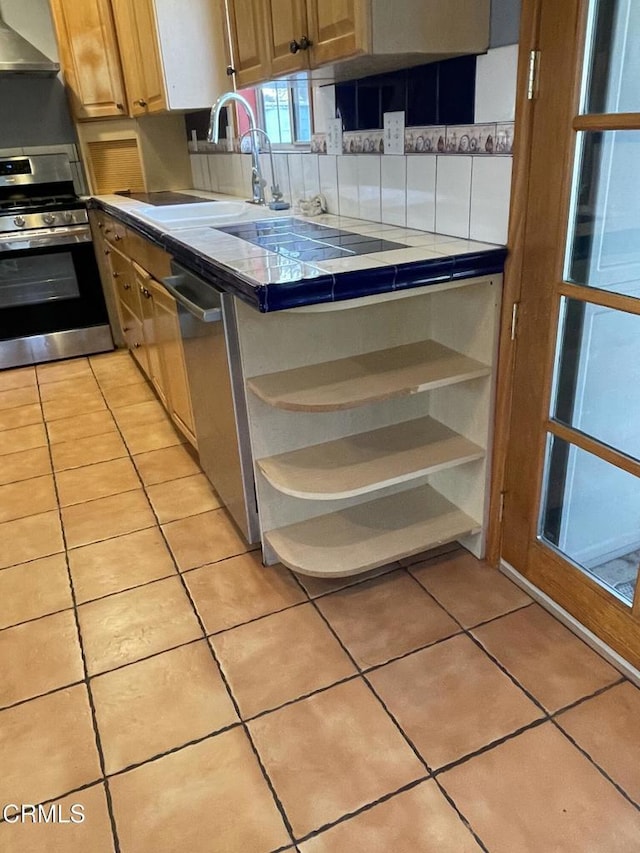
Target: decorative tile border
477 139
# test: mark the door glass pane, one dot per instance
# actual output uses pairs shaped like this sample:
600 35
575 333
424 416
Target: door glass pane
37 279
613 59
604 239
597 384
590 511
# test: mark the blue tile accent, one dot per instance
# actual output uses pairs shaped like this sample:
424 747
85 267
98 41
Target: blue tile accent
351 285
418 274
479 263
311 291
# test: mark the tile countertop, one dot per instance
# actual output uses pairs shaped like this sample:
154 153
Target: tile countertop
271 282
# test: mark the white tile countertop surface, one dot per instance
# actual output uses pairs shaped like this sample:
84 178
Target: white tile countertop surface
257 269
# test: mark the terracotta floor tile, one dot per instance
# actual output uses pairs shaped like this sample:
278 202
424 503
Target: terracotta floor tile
17 378
149 412
87 451
78 485
106 518
240 589
385 617
24 465
39 657
68 389
128 395
80 426
545 657
536 792
470 590
22 438
302 652
417 821
203 539
53 738
210 796
93 835
141 438
158 704
447 548
332 753
119 373
182 498
27 497
119 564
441 698
34 589
168 463
82 404
30 538
608 728
19 397
322 586
58 371
132 625
22 416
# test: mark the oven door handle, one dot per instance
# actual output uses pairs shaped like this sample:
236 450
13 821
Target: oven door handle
181 285
44 239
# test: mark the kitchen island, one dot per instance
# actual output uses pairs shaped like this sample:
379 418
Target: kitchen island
369 377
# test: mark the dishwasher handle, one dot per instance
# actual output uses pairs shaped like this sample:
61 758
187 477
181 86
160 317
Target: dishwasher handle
192 294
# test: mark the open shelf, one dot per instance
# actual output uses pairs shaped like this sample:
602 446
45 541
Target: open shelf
370 534
359 464
362 379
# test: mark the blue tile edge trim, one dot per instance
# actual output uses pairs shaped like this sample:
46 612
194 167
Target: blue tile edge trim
324 288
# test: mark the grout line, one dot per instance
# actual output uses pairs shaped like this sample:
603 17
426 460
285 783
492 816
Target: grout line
94 784
94 719
46 693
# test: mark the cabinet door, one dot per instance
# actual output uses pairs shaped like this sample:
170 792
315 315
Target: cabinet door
338 29
89 57
134 336
152 344
169 341
250 58
286 25
141 62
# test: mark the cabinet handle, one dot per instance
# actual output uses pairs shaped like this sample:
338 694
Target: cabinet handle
117 237
304 44
107 251
145 292
126 285
142 102
120 107
230 70
116 274
137 345
126 328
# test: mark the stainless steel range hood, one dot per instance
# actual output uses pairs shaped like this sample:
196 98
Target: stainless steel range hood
18 56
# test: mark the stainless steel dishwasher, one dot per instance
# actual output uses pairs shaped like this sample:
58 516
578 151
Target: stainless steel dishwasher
209 335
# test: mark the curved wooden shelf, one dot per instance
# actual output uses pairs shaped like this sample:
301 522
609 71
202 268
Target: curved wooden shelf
369 378
359 464
370 534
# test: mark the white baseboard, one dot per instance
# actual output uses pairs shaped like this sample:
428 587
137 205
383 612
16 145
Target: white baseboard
572 624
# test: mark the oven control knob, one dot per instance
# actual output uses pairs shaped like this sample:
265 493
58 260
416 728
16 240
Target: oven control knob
49 218
20 221
68 217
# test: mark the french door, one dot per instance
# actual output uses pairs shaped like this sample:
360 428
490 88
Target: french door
571 519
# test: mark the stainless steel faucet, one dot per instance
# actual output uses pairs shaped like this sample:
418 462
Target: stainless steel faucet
277 201
257 181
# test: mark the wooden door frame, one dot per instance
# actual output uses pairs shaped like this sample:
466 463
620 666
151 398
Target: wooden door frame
513 274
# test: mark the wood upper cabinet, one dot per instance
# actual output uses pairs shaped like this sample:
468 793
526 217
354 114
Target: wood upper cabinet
350 38
248 38
90 58
337 28
286 25
138 39
163 54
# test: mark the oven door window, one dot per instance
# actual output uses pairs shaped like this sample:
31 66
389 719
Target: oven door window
37 280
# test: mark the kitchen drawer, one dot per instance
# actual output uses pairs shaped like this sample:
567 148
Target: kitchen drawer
134 336
125 284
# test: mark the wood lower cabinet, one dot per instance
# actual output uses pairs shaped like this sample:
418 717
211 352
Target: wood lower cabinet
370 425
146 315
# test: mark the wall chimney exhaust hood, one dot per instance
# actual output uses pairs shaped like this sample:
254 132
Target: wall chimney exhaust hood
17 56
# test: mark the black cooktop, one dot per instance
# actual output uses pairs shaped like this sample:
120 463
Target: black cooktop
165 197
307 241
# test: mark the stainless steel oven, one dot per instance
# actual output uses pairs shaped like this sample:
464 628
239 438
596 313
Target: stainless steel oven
51 300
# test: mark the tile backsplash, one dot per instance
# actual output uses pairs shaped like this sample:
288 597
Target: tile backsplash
464 195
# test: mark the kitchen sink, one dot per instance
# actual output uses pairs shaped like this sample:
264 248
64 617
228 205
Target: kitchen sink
172 217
